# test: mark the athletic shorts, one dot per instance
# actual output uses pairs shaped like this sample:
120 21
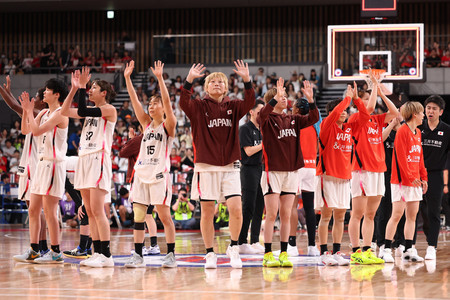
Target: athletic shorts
215 185
406 193
24 188
158 193
47 181
306 180
332 192
89 173
277 182
372 183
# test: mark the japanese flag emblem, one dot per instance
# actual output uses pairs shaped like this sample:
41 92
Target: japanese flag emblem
440 133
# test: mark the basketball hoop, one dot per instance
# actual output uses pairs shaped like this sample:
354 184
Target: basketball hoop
379 75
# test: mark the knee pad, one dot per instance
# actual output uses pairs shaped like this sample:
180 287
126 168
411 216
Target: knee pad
140 211
139 226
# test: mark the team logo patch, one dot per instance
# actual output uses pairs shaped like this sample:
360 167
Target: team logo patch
198 260
440 133
159 176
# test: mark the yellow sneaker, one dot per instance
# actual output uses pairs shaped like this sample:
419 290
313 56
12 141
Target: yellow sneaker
358 258
368 254
270 261
284 260
284 274
270 274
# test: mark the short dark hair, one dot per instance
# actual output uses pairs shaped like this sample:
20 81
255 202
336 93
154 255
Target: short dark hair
57 86
258 102
4 176
40 93
123 191
436 99
332 104
182 189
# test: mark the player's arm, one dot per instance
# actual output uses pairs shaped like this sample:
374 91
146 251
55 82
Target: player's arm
249 94
336 112
171 120
373 94
423 172
186 104
143 118
388 129
267 109
5 92
131 148
392 110
401 147
313 115
66 109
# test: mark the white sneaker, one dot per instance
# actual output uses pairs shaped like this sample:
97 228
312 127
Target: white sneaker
50 258
399 251
291 251
169 261
259 249
85 261
145 250
135 261
373 245
211 261
328 260
313 251
339 257
29 256
380 252
153 250
101 262
235 259
246 249
430 265
411 255
431 253
386 255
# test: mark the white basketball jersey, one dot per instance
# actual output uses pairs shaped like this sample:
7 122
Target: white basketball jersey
29 156
153 159
53 143
96 136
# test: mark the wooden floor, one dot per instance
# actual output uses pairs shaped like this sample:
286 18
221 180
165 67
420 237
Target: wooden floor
308 280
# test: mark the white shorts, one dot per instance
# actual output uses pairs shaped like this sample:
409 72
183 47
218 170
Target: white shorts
336 192
24 188
306 180
372 183
406 193
89 171
47 182
71 167
158 193
277 182
215 185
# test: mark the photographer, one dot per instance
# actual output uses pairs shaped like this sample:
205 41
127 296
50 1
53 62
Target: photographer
183 209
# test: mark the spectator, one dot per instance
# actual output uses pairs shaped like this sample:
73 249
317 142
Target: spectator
4 183
16 59
314 79
8 150
125 110
3 163
73 143
15 131
151 87
27 63
117 61
68 213
4 137
221 215
187 136
65 59
236 94
175 160
433 60
10 68
183 211
52 63
14 162
259 77
36 64
407 59
101 62
445 59
125 208
89 59
266 86
178 83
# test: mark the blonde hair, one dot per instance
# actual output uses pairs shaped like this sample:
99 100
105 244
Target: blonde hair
219 75
409 109
270 94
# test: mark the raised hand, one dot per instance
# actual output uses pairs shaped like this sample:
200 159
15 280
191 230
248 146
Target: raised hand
196 71
131 133
85 77
349 92
7 85
308 91
372 77
129 69
280 89
355 90
158 70
75 79
242 70
24 100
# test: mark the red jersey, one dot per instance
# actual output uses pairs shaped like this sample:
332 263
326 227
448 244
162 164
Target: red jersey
336 143
409 155
308 143
281 137
369 144
215 125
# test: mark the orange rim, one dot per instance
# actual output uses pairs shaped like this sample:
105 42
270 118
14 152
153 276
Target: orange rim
374 71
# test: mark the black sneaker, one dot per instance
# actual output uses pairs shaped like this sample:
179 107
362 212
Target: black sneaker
76 253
